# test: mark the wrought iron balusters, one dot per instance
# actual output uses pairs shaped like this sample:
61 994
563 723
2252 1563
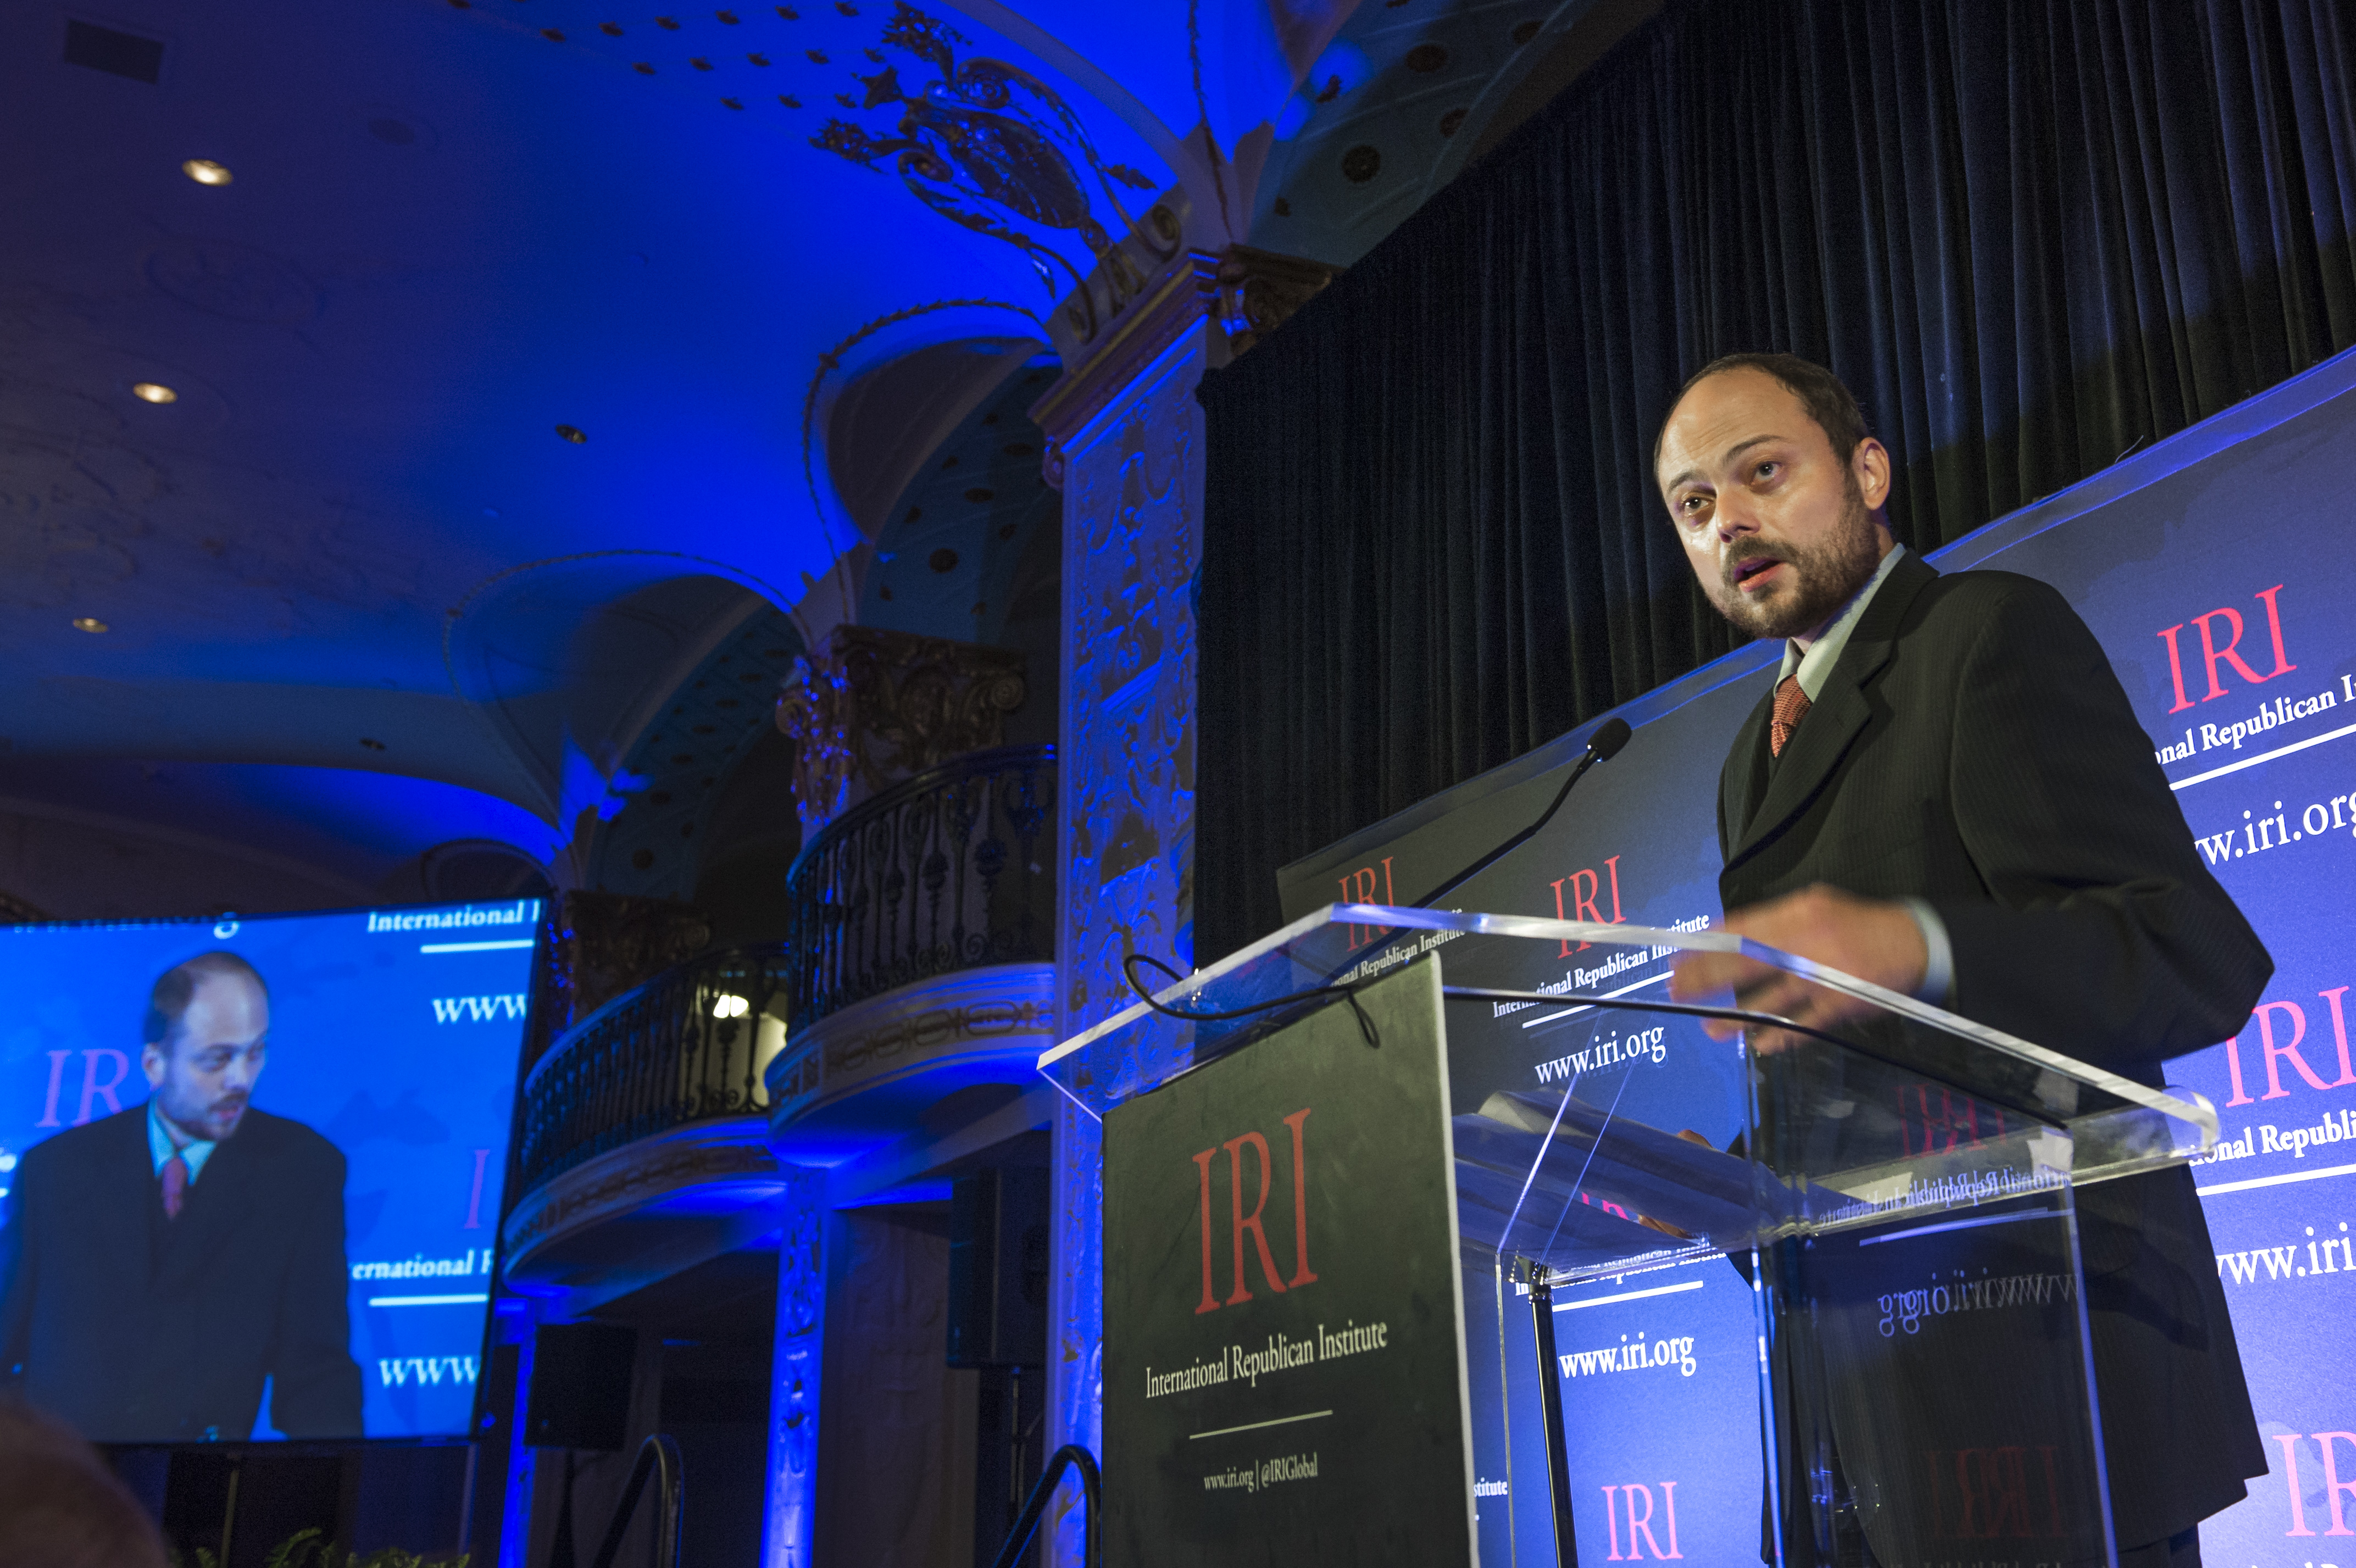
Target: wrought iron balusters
944 871
684 1047
950 870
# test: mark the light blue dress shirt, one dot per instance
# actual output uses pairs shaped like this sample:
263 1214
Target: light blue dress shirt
160 1147
1814 665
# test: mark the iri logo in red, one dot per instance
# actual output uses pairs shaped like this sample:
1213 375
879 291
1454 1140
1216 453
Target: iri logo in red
1947 1122
1989 1494
1640 1525
1579 897
2335 1490
1240 1224
95 1089
2291 1019
2225 622
1367 885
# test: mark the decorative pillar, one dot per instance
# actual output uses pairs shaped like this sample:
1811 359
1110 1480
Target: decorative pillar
1124 445
866 710
791 1524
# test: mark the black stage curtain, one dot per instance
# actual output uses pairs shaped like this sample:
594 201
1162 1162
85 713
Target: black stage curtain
2031 237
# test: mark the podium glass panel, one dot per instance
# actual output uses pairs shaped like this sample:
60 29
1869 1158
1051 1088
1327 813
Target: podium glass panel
1904 1376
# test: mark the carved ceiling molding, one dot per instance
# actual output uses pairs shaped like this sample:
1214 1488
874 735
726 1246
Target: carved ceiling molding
733 1153
1242 292
987 146
875 707
1257 291
1212 154
831 361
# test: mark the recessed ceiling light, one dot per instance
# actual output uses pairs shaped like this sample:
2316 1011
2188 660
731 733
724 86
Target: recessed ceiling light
204 171
154 392
89 624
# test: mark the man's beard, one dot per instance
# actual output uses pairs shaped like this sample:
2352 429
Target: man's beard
211 1123
1825 575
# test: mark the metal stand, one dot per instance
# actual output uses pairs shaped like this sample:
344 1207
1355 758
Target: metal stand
1566 1540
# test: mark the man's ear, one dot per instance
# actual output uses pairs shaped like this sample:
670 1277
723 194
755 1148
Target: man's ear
153 1063
1871 463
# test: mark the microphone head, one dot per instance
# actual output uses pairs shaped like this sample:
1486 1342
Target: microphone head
1608 737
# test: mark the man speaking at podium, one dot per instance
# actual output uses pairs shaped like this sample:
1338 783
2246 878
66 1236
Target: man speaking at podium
1946 793
158 1265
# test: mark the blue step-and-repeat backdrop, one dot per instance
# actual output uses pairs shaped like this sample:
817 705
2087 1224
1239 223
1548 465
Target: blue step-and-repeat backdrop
2219 570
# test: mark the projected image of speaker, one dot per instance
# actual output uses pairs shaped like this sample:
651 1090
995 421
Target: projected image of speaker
997 1269
580 1393
298 1124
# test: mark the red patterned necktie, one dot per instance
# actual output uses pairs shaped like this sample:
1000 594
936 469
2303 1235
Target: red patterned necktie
1790 707
175 1186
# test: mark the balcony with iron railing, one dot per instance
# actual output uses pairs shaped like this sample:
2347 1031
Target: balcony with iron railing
918 965
655 1094
687 1046
940 872
922 950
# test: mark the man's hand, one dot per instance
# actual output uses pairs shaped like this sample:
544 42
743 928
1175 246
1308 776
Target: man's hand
1869 938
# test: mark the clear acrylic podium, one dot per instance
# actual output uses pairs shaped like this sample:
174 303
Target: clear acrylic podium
1781 1296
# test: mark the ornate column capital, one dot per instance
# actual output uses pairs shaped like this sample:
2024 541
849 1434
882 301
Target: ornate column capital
1240 294
1257 291
875 707
600 946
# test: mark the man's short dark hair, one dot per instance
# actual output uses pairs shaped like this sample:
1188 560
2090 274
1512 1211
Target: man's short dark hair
168 1002
1821 394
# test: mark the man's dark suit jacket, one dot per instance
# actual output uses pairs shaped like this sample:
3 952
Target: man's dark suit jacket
1973 748
139 1328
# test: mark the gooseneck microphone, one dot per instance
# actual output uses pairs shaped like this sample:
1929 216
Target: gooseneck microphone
1602 747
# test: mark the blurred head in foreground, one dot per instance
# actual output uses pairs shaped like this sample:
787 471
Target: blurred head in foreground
62 1507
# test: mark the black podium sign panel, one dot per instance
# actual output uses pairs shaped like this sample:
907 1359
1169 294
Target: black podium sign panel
1284 1372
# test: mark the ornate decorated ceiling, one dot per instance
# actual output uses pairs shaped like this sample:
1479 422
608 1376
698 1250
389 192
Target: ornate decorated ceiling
1407 94
504 362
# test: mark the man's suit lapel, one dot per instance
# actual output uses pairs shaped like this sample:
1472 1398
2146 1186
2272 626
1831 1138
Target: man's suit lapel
1745 782
1839 714
121 1185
